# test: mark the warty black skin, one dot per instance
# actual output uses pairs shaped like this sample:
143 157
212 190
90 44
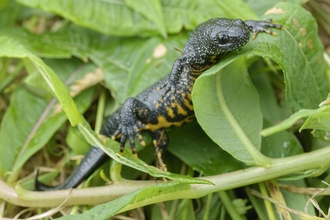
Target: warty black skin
168 102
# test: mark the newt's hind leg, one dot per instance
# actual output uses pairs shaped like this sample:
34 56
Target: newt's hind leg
160 141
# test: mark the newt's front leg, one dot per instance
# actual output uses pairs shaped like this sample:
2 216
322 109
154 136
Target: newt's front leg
132 116
262 26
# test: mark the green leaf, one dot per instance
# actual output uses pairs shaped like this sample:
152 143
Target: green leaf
117 19
190 13
271 109
108 17
305 71
261 6
189 142
282 144
152 10
145 195
231 117
303 90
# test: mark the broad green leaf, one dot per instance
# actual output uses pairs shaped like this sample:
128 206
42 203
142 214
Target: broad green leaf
152 10
261 6
299 38
117 19
145 195
282 144
271 109
190 13
196 149
231 115
108 17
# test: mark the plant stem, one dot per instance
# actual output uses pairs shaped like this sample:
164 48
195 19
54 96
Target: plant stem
229 205
100 112
268 205
318 160
207 207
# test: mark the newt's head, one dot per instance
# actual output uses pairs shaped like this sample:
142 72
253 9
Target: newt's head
214 38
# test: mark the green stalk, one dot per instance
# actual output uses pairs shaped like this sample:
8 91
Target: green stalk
268 205
316 160
207 207
229 205
100 112
256 205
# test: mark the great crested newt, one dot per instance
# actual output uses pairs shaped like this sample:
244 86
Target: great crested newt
168 102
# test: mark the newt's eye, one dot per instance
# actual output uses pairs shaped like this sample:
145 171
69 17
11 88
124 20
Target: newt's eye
222 38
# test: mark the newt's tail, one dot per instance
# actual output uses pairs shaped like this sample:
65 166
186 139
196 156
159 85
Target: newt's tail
93 159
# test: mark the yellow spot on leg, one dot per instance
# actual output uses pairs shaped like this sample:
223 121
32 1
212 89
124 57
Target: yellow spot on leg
142 142
161 164
134 153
